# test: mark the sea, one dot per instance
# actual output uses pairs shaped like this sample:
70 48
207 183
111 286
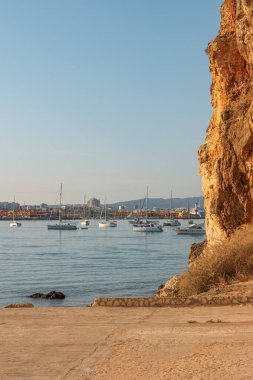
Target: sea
85 264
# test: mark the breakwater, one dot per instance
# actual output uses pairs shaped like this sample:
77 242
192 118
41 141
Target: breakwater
173 301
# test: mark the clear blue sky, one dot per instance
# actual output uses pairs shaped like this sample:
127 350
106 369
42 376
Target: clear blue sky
106 96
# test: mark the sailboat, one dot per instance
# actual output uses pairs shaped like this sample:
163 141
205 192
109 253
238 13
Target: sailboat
106 223
172 222
14 223
84 222
147 226
60 225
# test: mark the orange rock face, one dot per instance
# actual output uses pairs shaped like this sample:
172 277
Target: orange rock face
226 158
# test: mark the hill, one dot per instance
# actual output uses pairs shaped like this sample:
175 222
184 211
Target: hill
161 202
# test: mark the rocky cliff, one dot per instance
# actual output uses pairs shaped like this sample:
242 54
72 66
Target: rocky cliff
226 158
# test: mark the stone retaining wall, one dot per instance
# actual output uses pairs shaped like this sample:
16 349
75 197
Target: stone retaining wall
173 301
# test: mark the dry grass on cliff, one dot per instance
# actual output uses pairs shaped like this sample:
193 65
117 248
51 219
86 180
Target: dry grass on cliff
221 264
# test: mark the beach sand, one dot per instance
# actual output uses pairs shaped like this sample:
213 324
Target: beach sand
127 343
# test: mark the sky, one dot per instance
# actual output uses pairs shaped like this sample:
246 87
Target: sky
104 96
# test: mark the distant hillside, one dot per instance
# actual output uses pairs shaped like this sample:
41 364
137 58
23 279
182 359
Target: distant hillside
161 203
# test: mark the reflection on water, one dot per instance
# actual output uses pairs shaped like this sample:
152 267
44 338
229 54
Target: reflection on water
85 264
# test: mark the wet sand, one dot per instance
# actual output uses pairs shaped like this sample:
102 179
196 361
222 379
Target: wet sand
127 343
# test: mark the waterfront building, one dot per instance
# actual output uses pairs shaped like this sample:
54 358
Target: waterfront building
9 206
93 203
197 211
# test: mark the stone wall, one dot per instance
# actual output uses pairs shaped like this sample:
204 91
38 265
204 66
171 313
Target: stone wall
173 301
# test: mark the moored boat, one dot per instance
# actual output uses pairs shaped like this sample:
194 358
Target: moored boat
147 225
108 223
84 224
14 223
60 225
192 229
172 223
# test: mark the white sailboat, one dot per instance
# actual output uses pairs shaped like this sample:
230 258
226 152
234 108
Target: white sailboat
147 226
172 222
60 225
14 223
106 222
84 222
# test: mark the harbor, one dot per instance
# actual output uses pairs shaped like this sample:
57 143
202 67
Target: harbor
93 211
87 263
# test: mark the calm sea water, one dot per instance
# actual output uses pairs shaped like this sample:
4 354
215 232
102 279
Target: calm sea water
85 264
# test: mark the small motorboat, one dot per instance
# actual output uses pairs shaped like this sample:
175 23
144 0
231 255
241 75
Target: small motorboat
14 223
172 223
147 227
107 223
62 226
192 229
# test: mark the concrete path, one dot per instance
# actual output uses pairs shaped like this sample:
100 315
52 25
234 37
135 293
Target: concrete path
126 343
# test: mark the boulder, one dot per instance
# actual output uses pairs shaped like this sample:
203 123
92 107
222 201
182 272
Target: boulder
195 251
172 287
53 295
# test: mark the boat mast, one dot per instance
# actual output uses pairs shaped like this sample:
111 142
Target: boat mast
105 208
147 205
84 207
170 202
60 204
13 211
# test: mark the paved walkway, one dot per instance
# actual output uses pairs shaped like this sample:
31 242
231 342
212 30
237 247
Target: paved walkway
127 343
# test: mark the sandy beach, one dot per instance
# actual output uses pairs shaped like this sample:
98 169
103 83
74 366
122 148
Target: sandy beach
127 343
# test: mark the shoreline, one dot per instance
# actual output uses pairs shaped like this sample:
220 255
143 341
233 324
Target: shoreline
98 343
234 293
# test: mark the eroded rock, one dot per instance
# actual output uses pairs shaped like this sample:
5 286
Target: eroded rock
51 295
226 158
195 251
172 287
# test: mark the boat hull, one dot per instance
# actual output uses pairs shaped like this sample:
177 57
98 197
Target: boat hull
147 228
186 231
107 224
172 223
15 224
85 222
61 227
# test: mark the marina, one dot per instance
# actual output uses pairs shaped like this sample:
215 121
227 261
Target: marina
84 264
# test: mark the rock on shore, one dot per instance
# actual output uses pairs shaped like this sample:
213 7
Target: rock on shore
51 295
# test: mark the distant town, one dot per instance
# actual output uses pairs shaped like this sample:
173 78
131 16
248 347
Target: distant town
190 208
